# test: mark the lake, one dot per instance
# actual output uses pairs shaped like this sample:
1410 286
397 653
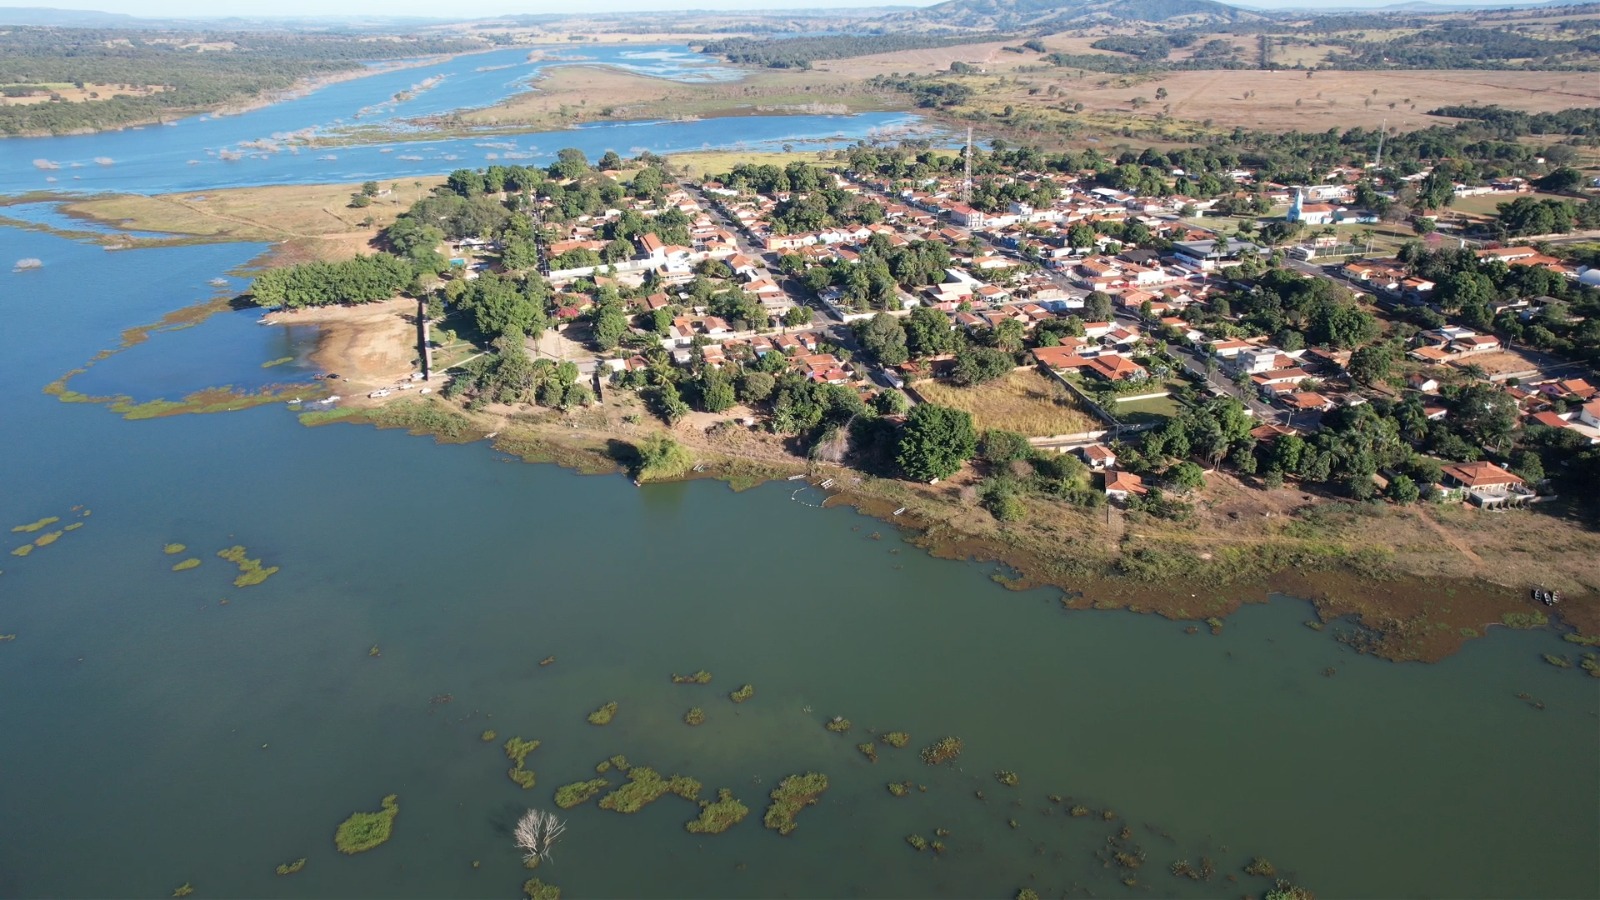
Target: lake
156 735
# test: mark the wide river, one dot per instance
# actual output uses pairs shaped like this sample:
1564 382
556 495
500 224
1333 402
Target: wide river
163 727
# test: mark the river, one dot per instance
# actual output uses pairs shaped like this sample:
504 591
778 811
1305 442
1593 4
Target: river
155 735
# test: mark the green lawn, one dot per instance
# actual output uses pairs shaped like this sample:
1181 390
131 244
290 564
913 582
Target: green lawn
1137 412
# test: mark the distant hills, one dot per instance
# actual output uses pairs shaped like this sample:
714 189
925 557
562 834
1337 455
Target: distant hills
1053 15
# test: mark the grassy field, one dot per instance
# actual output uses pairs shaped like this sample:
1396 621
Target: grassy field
708 162
1135 412
317 219
1026 401
1487 205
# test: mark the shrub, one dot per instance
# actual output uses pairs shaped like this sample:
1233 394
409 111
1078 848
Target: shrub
604 714
365 830
793 794
579 792
717 817
742 694
896 739
944 750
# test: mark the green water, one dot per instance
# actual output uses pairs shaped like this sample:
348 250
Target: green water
150 736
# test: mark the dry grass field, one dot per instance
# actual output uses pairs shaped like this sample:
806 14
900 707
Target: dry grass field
1025 401
70 93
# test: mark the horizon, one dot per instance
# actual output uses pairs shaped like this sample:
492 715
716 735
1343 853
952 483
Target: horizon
199 11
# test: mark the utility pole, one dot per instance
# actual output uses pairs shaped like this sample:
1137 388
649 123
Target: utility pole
1383 132
966 181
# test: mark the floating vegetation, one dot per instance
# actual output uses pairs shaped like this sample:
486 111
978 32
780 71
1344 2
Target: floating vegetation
73 527
1215 624
1006 777
944 750
1261 868
24 550
40 525
603 767
685 787
743 694
538 890
579 792
899 788
289 868
365 830
487 736
183 890
1560 662
250 570
1108 814
620 763
1027 894
1078 812
277 362
917 842
547 660
517 751
1283 890
48 538
1314 625
1525 620
1585 640
186 565
645 786
604 714
838 725
173 549
1591 664
896 739
7 638
1014 824
695 716
937 847
374 651
793 794
700 677
941 832
719 815
869 750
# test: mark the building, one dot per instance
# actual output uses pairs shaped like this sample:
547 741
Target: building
1484 484
1121 485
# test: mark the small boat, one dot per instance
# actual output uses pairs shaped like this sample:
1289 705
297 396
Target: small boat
380 393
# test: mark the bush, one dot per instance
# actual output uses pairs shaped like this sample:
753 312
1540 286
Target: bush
661 458
999 446
365 830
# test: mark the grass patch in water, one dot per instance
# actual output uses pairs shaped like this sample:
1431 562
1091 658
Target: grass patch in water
289 868
579 792
896 739
743 694
40 525
433 417
838 725
538 890
487 736
190 563
645 786
900 788
917 842
277 362
183 890
719 815
700 677
1525 620
48 538
1261 868
946 749
1007 777
869 750
695 716
604 714
793 794
517 751
73 527
24 550
174 549
250 570
365 830
316 417
1560 662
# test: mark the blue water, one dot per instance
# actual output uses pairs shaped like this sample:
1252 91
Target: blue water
253 148
151 735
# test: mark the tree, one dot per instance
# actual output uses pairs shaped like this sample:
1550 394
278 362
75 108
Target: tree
1483 413
797 316
1008 335
609 162
1187 476
369 188
885 338
716 391
1371 364
935 442
1403 490
929 332
1097 307
976 365
1561 180
891 403
570 163
1000 446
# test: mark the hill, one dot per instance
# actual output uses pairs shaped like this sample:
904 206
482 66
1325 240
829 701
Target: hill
1049 16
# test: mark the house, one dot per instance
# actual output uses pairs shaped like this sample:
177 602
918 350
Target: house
1589 414
1418 381
1478 343
1484 483
1119 368
1119 485
1099 457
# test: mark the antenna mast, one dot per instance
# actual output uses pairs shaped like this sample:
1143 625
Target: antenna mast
966 181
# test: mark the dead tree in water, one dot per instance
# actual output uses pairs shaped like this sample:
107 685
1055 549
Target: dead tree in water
536 832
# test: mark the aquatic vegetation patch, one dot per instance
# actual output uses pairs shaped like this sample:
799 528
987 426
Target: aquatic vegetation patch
579 792
487 736
900 788
538 890
289 868
183 890
945 749
1583 640
1261 868
1591 664
48 538
742 694
644 786
365 830
917 842
695 716
719 815
184 566
250 570
277 362
794 793
604 714
24 550
73 527
869 750
838 725
1006 777
444 422
1027 894
173 549
1560 662
1525 620
524 778
315 417
40 525
896 739
517 751
700 677
1284 890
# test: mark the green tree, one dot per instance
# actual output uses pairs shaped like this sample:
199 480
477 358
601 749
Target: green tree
1188 476
976 365
884 337
999 446
1371 364
935 442
1403 490
929 332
